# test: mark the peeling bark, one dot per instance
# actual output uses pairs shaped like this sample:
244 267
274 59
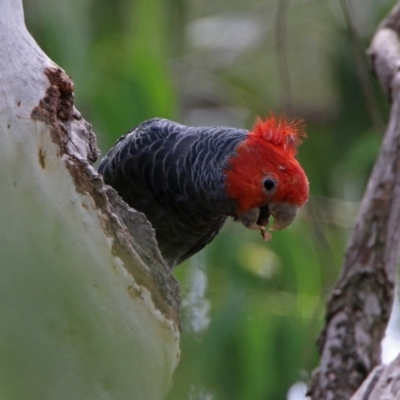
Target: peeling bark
88 307
77 144
360 304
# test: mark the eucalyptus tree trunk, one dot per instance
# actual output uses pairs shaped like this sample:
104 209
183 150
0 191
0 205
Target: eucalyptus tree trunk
88 308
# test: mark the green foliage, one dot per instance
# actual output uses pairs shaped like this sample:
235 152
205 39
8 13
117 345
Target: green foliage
132 60
115 52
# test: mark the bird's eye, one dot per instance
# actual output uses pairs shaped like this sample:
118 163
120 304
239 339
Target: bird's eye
269 184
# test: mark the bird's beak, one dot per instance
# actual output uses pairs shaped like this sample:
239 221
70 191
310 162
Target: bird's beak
256 218
284 215
250 218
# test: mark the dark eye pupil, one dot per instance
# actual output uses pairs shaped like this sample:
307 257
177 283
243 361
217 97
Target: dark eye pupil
269 184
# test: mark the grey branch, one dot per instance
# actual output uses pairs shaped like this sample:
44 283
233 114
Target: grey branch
383 383
360 304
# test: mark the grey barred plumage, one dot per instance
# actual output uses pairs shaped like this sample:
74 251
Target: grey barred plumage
174 174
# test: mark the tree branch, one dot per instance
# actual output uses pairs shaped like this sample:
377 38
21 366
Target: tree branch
361 64
382 384
360 304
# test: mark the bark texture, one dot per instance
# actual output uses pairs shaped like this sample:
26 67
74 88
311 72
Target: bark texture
133 236
383 383
360 304
88 307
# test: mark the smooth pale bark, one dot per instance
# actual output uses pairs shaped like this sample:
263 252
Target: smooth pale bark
88 309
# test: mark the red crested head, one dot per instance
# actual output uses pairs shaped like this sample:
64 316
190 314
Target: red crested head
264 170
280 132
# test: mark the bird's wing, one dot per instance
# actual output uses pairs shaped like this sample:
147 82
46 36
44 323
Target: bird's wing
174 175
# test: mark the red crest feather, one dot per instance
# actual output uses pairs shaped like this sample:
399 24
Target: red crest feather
268 151
280 131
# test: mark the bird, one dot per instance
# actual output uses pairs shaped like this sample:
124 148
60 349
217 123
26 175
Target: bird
189 180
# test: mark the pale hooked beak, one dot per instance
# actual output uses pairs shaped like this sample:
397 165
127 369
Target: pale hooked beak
250 218
284 215
256 218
